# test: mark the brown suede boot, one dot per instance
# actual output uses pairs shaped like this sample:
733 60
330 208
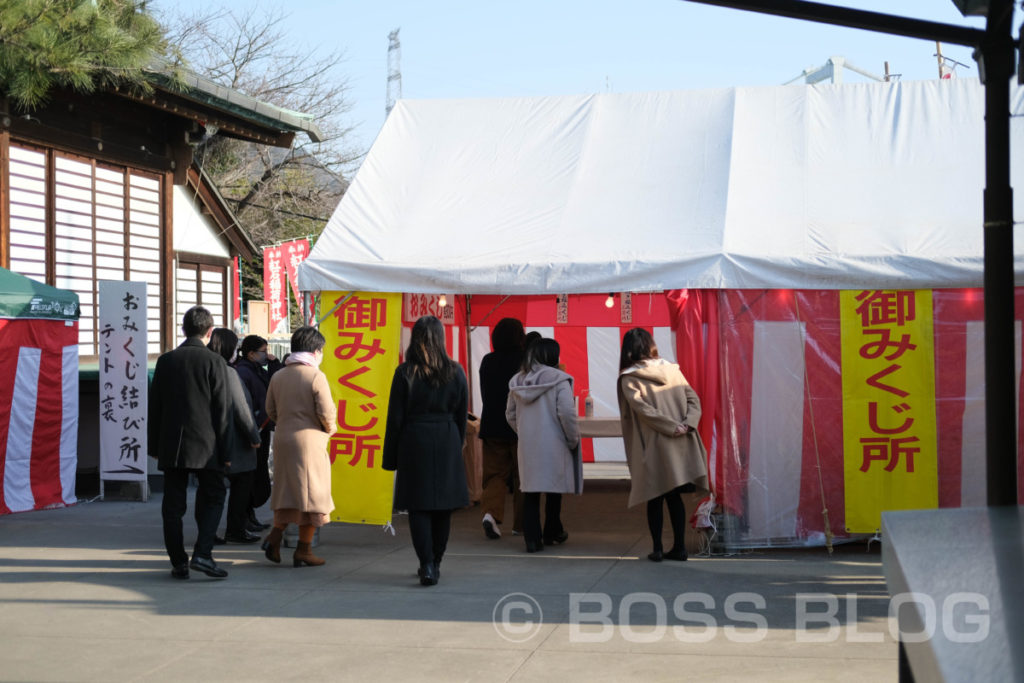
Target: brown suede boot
272 545
304 556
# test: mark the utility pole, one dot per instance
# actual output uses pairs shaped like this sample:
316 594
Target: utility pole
394 71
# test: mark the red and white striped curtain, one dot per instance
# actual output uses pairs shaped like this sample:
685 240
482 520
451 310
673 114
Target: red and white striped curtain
38 414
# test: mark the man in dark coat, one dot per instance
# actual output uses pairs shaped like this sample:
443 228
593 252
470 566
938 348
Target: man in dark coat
189 431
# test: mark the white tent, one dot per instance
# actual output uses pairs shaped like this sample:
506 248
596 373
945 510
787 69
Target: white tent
823 187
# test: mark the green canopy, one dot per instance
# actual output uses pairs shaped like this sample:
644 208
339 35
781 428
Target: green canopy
22 297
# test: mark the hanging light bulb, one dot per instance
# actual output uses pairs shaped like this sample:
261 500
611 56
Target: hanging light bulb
610 301
443 301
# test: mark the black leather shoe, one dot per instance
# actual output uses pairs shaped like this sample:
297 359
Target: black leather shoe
254 525
207 566
219 540
428 575
557 540
655 556
677 554
180 571
534 546
244 537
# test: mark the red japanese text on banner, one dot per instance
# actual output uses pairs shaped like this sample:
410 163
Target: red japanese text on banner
889 427
275 289
294 253
363 337
415 306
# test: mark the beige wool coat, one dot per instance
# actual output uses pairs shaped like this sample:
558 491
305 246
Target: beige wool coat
299 401
654 399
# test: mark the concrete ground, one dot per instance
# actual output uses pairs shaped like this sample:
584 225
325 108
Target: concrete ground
85 594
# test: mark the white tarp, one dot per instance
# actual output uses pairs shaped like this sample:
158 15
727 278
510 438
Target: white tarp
816 187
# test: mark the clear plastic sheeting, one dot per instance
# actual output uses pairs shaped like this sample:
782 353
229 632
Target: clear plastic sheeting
778 463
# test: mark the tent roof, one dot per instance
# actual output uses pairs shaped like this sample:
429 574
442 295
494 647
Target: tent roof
818 187
22 297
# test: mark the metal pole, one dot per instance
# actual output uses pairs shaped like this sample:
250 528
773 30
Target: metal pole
997 53
856 18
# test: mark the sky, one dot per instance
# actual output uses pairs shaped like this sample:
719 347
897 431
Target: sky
500 48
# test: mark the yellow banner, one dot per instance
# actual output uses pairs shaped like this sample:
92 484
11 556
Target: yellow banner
890 450
363 338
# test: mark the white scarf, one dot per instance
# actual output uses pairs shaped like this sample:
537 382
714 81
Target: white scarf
643 364
302 357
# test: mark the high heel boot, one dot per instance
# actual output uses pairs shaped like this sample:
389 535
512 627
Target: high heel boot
272 545
304 556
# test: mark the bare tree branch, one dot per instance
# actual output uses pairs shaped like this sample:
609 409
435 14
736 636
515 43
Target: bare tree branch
247 52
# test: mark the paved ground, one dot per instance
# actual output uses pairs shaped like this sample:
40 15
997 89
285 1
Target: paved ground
85 594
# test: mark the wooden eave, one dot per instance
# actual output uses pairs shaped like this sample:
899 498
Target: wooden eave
227 125
214 205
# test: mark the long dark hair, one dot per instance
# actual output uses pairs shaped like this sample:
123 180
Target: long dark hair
223 341
541 352
426 355
508 335
637 345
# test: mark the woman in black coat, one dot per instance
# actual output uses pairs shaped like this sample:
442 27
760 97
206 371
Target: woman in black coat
241 447
255 367
426 427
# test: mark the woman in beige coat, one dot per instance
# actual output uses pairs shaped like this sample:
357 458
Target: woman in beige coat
299 401
659 413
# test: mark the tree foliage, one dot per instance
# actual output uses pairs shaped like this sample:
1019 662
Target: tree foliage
83 45
276 194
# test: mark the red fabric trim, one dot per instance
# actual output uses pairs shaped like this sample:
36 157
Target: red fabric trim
51 336
45 466
573 354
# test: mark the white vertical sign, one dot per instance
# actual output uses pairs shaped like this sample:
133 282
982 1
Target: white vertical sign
123 380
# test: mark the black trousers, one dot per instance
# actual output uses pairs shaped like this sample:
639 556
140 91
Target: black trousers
429 530
209 504
239 498
261 477
532 531
676 515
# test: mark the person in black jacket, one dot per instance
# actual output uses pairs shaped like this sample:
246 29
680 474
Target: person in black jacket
255 367
189 429
426 427
500 442
245 439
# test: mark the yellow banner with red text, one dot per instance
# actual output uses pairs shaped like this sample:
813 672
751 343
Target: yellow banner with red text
890 450
363 337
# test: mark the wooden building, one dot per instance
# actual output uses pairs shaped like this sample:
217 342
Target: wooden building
104 187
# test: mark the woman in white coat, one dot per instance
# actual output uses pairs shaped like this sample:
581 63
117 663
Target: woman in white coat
541 411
